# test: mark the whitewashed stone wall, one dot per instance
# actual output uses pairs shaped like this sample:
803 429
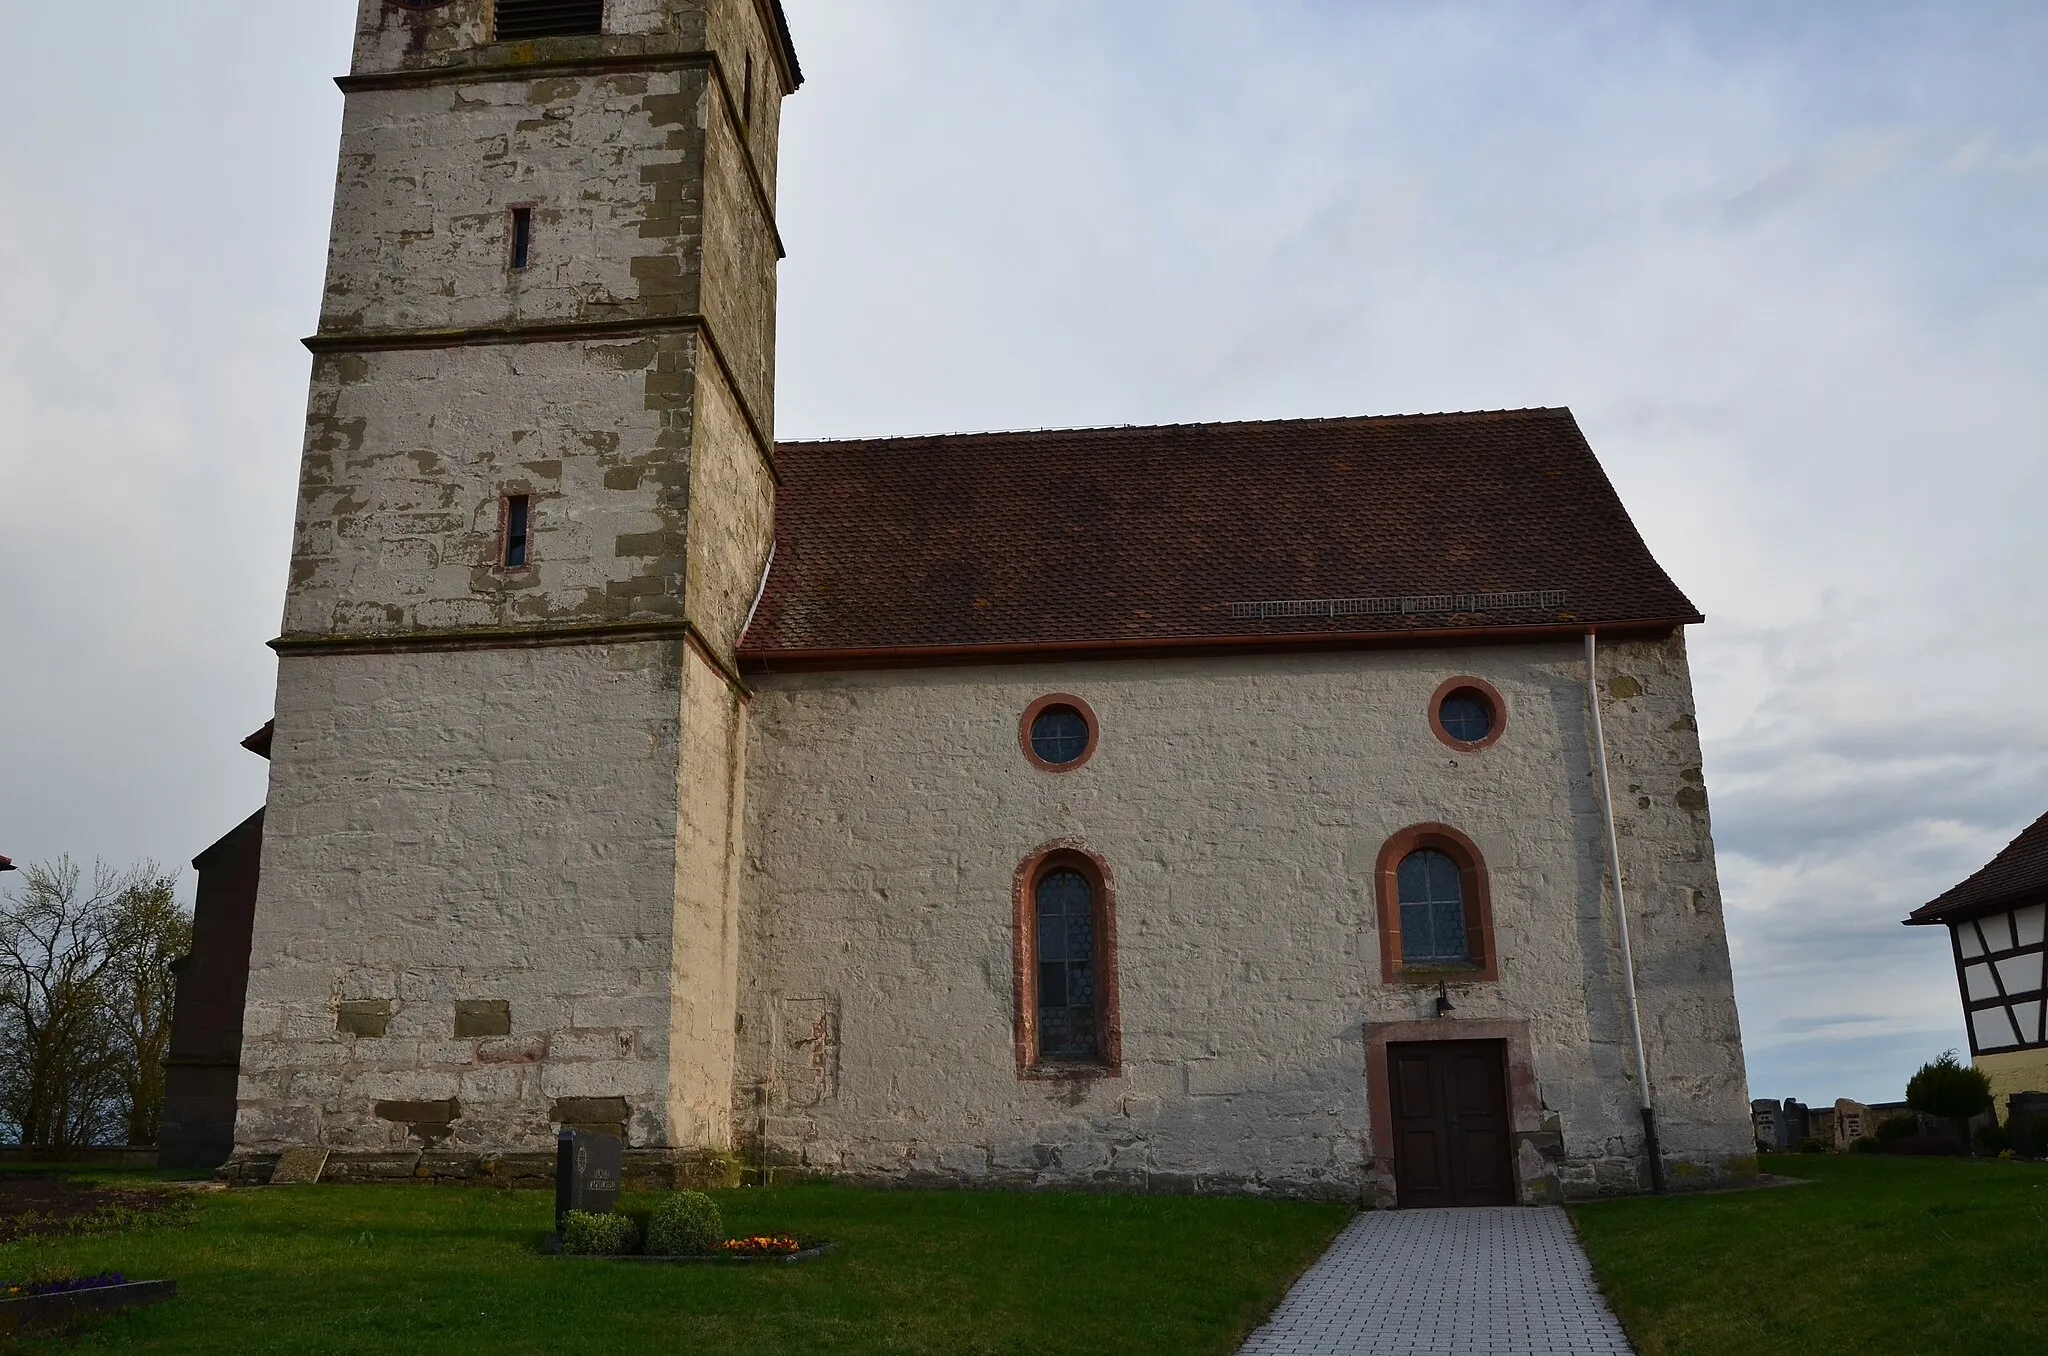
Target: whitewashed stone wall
551 829
455 826
1241 805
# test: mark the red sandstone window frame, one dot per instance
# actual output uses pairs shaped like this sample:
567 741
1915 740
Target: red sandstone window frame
1476 886
1065 855
506 494
1037 708
1487 692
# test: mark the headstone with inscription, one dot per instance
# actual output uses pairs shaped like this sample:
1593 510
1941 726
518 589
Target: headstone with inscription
1796 1123
587 1170
1767 1124
1852 1122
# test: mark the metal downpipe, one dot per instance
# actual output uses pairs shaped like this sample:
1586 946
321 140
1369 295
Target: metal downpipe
1628 961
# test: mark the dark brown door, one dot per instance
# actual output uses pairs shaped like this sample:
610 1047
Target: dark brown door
1450 1123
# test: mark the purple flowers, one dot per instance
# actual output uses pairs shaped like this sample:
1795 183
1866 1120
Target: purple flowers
62 1285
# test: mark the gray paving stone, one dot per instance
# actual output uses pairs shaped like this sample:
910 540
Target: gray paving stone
1504 1282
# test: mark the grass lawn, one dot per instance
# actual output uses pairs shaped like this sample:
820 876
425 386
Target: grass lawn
449 1270
1874 1255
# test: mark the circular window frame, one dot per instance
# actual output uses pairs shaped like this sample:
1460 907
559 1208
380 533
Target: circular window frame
1038 708
1487 692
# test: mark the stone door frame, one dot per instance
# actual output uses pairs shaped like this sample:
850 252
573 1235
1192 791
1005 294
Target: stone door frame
1525 1104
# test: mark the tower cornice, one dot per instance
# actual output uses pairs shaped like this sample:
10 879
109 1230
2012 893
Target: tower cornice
519 638
503 64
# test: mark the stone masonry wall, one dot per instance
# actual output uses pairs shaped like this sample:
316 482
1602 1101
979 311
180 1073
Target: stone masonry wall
409 452
500 882
705 950
465 827
392 38
1240 805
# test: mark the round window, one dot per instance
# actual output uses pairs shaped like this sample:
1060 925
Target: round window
1467 714
1058 732
1059 735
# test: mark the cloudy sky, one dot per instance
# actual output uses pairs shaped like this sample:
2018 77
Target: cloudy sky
1786 263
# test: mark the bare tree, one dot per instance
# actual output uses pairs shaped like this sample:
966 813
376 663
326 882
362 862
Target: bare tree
85 1002
148 932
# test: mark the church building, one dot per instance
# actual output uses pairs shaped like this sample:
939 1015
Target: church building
1307 806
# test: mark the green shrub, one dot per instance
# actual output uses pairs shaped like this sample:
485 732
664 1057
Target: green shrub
1810 1145
1993 1139
591 1235
685 1223
1865 1144
1948 1088
1897 1128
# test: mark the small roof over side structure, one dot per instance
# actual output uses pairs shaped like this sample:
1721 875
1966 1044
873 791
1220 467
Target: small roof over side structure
1289 534
2016 876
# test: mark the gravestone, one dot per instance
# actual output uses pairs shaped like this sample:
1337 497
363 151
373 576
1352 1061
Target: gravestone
1767 1124
1797 1124
587 1171
2026 1118
1852 1122
299 1167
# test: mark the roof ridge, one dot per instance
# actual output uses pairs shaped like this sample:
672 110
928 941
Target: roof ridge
1410 417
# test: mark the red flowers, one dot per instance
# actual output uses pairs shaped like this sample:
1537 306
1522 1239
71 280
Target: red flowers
763 1245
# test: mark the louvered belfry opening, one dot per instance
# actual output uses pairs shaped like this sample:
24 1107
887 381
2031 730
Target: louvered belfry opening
518 19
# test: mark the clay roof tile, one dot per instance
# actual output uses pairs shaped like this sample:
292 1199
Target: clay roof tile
2017 875
1152 534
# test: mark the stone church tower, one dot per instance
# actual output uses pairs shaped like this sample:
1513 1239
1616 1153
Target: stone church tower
500 853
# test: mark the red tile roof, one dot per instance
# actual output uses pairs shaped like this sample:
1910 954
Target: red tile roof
893 549
2017 875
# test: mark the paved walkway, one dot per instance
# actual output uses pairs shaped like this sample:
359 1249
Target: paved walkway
1506 1282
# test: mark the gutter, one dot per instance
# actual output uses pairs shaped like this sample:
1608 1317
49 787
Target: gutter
1028 651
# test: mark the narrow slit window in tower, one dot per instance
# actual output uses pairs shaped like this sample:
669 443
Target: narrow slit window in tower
521 19
516 508
747 94
522 236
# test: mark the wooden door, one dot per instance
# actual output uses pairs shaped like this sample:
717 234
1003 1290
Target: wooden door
1451 1132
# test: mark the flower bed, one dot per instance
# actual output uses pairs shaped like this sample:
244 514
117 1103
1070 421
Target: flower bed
59 1285
684 1226
762 1245
51 1303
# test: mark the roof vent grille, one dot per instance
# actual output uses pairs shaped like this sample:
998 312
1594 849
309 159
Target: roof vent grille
521 19
1543 599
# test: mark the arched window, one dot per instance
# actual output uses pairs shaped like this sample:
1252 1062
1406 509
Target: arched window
1066 965
1435 907
1432 909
